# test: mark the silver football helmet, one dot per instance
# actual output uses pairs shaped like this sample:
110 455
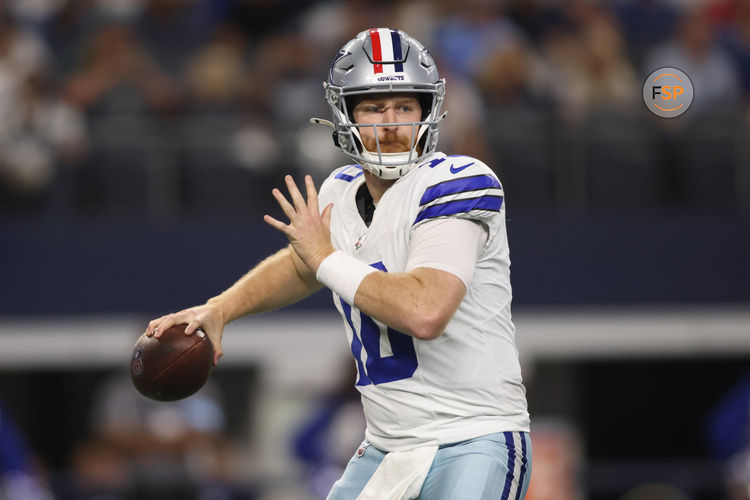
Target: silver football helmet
384 60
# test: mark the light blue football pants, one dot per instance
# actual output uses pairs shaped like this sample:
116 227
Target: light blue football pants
496 466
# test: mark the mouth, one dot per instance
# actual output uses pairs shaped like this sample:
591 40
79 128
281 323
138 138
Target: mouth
393 147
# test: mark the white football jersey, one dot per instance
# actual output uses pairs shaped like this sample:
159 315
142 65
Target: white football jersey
467 382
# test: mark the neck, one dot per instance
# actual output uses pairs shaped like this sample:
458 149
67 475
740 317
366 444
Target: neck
377 186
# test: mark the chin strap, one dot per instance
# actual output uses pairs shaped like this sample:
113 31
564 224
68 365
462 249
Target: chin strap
373 159
327 123
321 121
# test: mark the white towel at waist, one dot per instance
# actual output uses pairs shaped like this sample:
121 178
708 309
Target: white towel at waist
400 475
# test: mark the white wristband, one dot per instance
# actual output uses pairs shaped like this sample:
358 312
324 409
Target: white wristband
343 274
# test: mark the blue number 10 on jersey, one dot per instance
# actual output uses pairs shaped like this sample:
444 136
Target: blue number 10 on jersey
379 369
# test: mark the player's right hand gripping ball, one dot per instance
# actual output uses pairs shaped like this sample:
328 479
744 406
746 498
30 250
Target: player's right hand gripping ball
173 366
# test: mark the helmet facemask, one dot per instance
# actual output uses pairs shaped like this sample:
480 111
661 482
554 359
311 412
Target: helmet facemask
422 141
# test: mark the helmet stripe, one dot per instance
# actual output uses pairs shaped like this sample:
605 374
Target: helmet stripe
397 55
377 54
386 50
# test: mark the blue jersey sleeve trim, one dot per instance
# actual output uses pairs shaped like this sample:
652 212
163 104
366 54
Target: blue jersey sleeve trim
349 178
456 186
488 203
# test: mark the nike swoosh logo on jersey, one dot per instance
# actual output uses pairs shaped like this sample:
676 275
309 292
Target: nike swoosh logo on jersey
455 170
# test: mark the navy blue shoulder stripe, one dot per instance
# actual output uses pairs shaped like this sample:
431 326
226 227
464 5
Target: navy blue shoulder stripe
460 185
488 202
349 178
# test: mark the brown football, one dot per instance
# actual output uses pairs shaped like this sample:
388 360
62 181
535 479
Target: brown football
173 366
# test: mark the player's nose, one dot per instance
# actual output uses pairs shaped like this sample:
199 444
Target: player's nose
389 116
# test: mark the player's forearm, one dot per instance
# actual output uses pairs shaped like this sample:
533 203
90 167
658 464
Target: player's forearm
407 303
277 281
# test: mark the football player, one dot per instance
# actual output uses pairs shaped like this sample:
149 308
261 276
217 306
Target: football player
412 244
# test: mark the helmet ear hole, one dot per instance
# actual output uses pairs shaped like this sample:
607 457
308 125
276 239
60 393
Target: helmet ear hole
350 104
425 102
422 141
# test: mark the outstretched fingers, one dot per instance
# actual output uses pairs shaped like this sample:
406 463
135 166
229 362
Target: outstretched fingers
276 224
326 215
299 201
287 207
312 195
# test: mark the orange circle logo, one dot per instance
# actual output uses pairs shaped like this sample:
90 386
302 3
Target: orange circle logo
668 92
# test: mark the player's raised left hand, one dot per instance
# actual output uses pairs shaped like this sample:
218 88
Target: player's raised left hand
309 230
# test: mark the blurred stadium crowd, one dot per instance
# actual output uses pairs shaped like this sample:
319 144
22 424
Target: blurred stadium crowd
165 109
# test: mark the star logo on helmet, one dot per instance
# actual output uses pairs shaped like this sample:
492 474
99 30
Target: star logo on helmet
341 53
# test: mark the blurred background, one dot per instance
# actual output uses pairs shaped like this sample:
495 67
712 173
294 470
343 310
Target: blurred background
139 143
